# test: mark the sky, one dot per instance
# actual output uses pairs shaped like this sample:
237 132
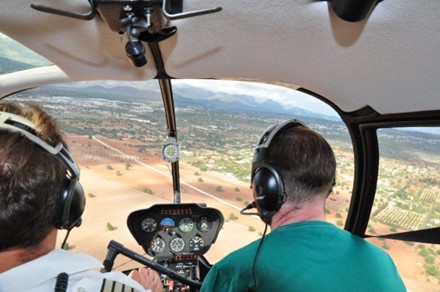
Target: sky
261 91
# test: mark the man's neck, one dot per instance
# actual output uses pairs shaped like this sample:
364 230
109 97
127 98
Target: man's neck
310 211
14 257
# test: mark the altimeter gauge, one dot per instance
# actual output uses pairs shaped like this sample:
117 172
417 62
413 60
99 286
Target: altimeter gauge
177 244
170 150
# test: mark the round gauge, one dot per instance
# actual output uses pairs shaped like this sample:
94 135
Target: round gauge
157 245
186 224
167 223
204 225
177 244
196 243
170 150
149 225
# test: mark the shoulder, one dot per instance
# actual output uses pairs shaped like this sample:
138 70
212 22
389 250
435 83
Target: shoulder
241 255
46 268
233 272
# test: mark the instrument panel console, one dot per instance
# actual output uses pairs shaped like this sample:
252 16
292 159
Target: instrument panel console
173 230
177 236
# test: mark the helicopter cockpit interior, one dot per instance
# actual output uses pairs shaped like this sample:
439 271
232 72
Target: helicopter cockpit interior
163 102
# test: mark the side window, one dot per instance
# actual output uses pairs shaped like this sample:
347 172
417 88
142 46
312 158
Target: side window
408 198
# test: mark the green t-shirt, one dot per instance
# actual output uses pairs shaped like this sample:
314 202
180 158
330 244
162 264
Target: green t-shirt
306 256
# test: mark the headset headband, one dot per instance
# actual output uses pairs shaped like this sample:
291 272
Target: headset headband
15 123
269 135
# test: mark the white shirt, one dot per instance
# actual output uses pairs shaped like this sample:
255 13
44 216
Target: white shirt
40 275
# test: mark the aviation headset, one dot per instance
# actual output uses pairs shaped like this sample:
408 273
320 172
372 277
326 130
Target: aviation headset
266 180
72 199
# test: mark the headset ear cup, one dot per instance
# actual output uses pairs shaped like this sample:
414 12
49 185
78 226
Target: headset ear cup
77 205
72 205
268 191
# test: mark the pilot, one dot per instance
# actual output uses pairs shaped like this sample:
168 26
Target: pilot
293 172
40 193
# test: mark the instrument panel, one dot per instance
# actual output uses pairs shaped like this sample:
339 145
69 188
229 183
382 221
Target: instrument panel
167 231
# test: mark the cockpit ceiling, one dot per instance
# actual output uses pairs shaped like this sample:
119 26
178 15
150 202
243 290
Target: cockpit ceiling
389 60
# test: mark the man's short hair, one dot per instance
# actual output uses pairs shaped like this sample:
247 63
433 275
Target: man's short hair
306 162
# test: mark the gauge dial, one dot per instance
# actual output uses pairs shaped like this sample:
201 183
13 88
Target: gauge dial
186 224
157 245
196 243
177 244
170 150
204 225
149 225
167 223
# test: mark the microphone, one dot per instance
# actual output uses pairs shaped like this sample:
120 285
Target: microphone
250 206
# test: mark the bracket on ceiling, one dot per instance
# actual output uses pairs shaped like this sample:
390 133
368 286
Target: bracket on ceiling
172 9
140 20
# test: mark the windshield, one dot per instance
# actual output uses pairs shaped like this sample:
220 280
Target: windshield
116 130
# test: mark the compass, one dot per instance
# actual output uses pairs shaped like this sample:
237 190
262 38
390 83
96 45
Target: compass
170 150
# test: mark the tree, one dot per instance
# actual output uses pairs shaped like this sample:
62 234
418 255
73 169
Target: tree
128 166
219 189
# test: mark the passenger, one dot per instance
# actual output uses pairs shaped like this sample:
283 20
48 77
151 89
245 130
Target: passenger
293 173
40 194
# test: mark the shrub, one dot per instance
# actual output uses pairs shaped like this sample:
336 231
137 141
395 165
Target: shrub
232 217
148 190
110 227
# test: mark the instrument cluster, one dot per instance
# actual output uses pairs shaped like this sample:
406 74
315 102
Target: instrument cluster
173 230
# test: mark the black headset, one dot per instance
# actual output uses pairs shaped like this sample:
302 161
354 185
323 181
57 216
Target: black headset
72 199
266 180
